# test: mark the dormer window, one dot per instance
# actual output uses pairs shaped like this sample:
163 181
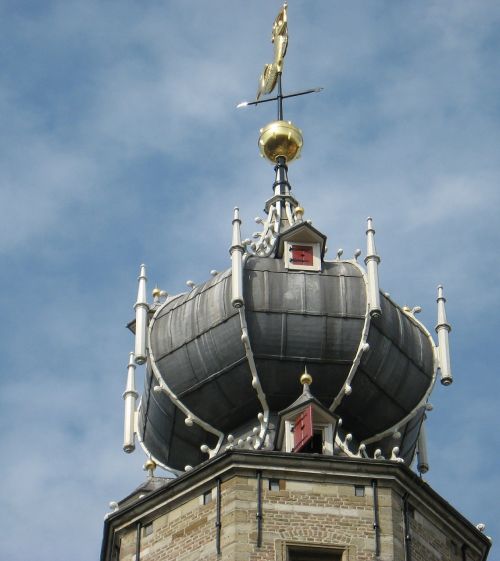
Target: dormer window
307 426
301 247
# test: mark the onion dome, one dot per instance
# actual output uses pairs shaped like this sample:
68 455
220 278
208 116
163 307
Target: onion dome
375 373
225 360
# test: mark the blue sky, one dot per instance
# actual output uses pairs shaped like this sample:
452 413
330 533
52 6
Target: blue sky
120 144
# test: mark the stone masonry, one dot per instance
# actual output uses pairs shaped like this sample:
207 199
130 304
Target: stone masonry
306 500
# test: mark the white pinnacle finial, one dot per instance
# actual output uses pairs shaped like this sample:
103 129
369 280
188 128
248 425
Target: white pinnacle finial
236 251
443 329
423 458
130 396
141 318
371 261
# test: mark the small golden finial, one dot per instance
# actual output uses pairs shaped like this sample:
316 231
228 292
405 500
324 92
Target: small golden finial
306 378
150 466
299 211
156 292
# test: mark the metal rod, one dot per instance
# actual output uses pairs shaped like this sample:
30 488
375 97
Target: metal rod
406 524
294 94
281 182
280 99
259 509
138 542
218 523
376 521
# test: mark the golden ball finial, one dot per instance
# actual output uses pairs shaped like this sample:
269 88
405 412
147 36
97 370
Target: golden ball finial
280 138
299 211
306 378
150 466
156 292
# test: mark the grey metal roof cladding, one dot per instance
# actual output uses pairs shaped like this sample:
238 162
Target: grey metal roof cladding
295 318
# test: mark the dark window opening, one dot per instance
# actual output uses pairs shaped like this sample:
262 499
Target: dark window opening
207 497
315 445
147 529
296 553
274 485
359 490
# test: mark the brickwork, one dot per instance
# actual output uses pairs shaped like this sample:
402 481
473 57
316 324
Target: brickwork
309 508
300 512
429 542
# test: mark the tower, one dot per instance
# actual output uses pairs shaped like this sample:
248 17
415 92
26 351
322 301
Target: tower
287 394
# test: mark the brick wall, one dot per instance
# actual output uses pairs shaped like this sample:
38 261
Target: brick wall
313 508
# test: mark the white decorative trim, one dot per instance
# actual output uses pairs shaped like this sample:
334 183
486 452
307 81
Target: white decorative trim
264 422
347 387
163 386
175 472
289 213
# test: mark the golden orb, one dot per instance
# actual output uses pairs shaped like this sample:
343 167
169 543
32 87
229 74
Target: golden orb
299 211
280 138
156 292
149 465
306 378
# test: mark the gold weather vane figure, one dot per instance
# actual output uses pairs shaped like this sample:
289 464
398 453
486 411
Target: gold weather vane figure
280 141
279 38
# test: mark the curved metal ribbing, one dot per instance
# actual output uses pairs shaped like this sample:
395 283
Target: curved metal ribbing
361 348
173 397
424 398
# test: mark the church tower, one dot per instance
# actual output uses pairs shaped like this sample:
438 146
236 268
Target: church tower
286 397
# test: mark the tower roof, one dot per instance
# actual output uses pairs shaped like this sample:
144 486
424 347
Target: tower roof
223 358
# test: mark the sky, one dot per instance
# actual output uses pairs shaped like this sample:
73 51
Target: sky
120 144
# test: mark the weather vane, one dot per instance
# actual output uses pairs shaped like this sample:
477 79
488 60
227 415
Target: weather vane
279 139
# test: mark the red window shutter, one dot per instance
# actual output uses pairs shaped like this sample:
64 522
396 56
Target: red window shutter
302 255
303 429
